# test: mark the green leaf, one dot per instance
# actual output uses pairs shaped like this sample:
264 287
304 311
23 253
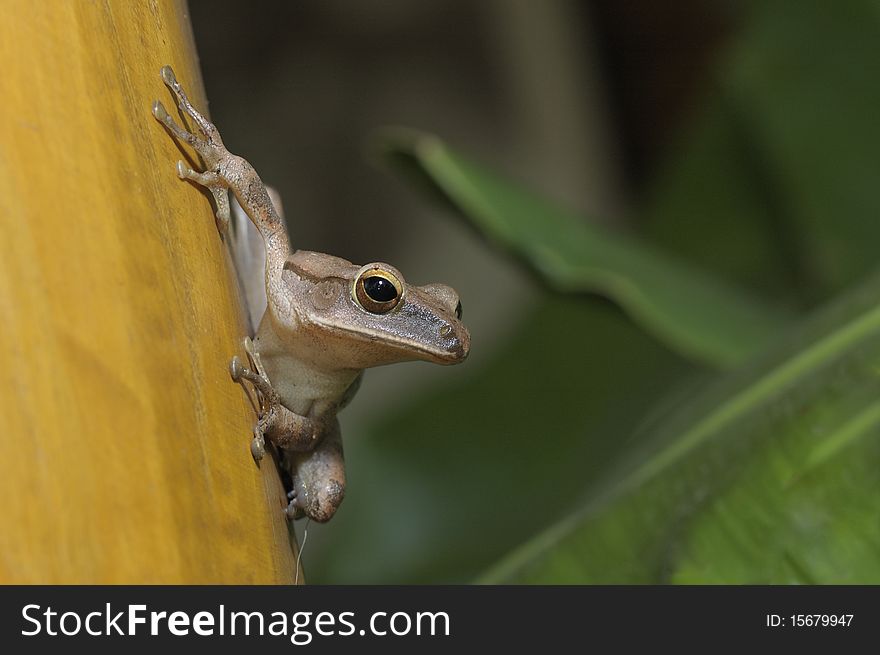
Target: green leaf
770 476
698 316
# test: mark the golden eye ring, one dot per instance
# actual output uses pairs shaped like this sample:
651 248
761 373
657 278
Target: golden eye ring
377 290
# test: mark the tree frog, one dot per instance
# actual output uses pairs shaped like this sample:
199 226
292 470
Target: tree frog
326 320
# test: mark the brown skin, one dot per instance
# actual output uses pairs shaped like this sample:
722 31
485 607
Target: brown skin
326 321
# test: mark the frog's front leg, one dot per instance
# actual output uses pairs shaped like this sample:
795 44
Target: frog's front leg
318 477
226 171
284 428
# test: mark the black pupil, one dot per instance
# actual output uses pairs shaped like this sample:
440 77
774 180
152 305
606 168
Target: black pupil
379 289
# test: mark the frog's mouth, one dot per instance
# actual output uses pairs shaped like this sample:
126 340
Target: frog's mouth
438 341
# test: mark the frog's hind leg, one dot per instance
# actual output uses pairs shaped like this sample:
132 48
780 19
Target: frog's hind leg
318 478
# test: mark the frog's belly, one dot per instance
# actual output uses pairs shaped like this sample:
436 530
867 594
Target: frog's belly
304 389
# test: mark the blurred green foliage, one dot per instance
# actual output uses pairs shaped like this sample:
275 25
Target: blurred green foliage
688 309
587 451
769 476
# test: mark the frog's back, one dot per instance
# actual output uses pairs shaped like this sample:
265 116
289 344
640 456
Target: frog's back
318 266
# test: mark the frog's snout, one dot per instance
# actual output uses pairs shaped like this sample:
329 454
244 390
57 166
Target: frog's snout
453 335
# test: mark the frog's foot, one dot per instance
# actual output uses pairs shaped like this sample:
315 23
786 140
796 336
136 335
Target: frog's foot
210 147
317 478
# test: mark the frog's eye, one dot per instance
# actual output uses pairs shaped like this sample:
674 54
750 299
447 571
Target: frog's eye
377 290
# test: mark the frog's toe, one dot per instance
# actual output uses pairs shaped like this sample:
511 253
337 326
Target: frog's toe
235 369
205 126
168 76
208 179
293 511
159 111
161 114
258 445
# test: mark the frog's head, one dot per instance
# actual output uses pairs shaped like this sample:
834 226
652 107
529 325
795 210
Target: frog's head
368 315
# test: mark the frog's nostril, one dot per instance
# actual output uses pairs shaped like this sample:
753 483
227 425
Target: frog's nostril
446 330
458 311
